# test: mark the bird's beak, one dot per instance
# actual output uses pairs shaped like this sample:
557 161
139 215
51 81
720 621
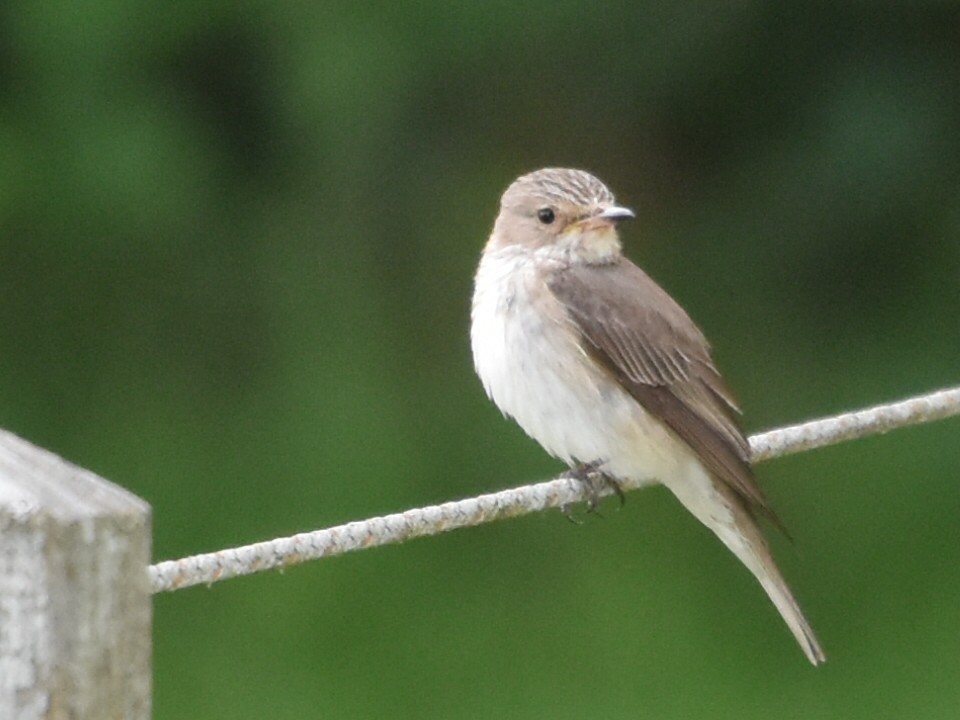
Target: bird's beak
605 219
615 213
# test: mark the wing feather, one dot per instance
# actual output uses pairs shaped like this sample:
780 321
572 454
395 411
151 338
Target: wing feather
659 356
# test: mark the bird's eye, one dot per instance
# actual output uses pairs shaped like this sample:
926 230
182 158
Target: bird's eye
546 215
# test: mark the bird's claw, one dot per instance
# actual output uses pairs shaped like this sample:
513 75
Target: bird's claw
594 481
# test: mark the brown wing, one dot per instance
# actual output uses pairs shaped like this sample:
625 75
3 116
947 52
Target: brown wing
662 359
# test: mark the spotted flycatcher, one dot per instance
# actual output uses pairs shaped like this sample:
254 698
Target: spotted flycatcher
599 365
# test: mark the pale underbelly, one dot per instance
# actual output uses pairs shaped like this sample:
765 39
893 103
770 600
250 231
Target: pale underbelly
535 372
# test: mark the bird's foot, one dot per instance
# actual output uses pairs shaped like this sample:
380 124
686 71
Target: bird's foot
594 482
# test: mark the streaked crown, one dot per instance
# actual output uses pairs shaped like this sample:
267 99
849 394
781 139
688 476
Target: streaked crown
559 186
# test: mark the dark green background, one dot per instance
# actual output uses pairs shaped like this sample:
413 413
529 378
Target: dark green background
236 252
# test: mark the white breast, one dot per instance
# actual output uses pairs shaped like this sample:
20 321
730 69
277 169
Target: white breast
528 356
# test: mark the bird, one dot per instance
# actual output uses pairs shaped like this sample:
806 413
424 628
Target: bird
608 373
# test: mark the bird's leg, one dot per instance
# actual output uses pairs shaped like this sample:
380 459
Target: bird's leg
594 481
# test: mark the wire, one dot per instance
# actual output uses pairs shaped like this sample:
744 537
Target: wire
399 527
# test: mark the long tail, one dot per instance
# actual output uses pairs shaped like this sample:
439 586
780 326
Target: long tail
721 510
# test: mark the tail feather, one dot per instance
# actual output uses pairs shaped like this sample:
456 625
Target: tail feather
721 510
791 613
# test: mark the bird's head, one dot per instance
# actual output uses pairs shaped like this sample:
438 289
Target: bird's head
558 209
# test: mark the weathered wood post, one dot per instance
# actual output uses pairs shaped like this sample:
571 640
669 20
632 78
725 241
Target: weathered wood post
74 596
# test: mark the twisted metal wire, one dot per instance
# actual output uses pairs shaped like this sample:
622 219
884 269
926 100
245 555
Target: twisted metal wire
399 527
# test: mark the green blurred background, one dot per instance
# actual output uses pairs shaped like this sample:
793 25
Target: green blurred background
236 251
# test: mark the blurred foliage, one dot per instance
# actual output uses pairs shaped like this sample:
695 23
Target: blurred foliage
236 249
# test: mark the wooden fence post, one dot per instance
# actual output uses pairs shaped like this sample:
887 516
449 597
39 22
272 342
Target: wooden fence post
74 594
